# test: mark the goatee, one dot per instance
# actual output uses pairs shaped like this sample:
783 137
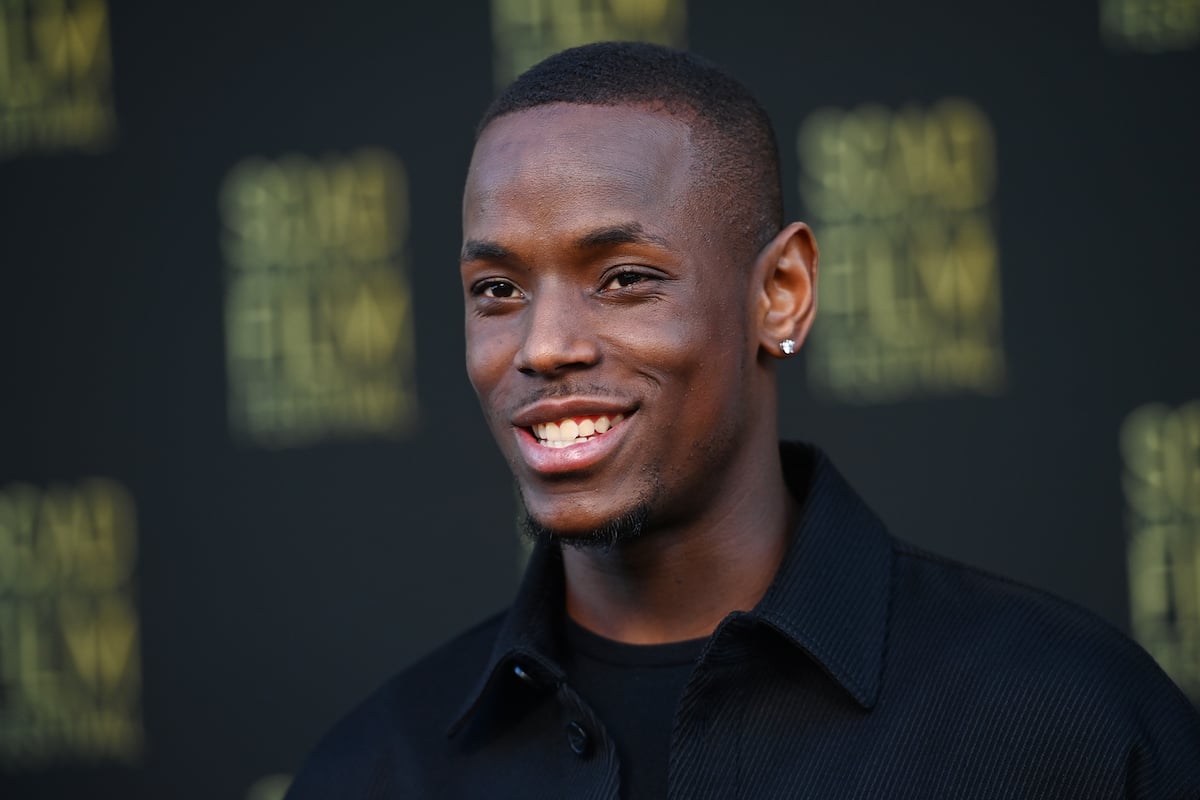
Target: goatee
623 528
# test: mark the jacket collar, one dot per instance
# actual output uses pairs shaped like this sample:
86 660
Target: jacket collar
833 590
829 598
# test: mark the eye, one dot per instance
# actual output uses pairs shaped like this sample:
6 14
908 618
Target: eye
623 279
500 290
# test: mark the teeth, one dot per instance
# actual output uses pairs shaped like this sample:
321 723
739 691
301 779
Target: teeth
569 431
559 445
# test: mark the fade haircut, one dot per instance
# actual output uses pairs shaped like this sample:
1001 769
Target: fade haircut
730 131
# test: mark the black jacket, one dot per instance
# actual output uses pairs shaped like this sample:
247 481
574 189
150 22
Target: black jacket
868 670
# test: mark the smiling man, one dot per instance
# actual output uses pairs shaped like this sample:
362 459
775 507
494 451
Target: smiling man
708 613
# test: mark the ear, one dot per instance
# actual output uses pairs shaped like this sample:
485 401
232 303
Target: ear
786 272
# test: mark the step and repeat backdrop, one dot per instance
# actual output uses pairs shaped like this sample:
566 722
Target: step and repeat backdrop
243 477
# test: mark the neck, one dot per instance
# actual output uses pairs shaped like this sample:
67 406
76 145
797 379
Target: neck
678 582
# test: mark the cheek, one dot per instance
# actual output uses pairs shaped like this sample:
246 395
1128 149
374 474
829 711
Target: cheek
686 366
711 355
489 357
714 327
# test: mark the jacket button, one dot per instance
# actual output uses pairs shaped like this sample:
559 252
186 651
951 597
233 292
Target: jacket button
520 672
578 739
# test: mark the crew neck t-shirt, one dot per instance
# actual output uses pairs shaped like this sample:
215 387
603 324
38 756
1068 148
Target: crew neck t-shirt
633 689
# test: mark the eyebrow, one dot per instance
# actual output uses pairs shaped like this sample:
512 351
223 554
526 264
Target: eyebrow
476 250
626 233
608 236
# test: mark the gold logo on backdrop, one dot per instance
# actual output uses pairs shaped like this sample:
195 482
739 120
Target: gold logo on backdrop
1150 26
269 787
318 309
526 31
910 294
55 76
70 658
1161 449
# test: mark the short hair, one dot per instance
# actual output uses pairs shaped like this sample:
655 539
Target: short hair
731 132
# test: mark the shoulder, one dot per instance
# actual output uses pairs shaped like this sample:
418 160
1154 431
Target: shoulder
410 712
972 609
1014 662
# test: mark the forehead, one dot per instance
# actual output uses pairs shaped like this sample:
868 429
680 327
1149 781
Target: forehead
566 162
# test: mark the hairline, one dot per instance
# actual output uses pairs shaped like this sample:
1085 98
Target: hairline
703 154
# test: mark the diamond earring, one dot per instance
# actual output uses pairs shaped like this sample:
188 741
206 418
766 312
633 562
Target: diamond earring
788 346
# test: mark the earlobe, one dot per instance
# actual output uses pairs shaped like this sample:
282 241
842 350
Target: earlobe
788 301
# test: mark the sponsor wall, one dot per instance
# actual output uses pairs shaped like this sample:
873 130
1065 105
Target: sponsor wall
243 477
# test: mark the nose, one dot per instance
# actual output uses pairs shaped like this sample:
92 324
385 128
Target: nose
557 335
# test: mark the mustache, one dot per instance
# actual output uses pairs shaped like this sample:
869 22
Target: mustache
557 390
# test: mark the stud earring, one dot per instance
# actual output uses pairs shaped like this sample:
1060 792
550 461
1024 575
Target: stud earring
788 346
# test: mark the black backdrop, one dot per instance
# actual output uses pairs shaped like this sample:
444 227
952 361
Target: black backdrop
272 579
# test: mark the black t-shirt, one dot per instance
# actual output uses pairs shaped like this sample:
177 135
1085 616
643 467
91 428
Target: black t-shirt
633 689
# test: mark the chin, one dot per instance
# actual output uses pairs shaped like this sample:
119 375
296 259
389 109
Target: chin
601 531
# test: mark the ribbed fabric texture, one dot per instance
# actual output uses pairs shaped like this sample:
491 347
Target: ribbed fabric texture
869 670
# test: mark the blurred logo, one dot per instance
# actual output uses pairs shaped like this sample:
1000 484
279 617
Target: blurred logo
55 76
318 309
526 31
1161 450
1150 26
910 291
70 656
269 787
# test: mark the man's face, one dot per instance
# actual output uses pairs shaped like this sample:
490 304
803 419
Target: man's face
606 326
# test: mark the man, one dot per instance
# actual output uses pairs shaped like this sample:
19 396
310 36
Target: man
708 614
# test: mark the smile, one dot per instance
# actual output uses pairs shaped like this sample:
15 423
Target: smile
570 431
567 437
